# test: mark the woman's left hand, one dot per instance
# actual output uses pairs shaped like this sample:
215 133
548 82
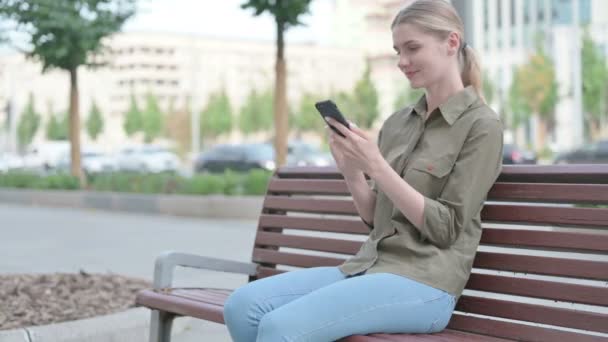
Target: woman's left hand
357 146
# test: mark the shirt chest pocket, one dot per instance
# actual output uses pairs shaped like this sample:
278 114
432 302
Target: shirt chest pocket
428 175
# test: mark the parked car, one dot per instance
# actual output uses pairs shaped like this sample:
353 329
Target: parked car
300 153
92 161
236 157
594 153
45 156
10 161
511 154
148 158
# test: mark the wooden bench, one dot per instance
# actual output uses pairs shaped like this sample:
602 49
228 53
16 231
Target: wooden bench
540 273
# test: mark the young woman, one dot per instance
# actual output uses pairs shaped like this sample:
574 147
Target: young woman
431 171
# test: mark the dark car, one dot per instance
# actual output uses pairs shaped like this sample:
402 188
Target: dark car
594 153
300 153
511 154
236 157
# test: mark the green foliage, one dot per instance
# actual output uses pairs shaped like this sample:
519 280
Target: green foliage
94 122
533 90
407 97
256 114
256 182
133 122
230 183
538 85
285 12
488 88
152 119
361 106
58 127
34 181
28 124
216 118
595 80
178 128
64 33
517 106
307 118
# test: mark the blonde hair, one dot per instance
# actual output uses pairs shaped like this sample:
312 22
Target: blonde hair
439 18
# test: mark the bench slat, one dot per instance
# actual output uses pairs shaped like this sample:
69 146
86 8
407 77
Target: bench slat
181 306
290 259
310 205
264 272
309 172
309 243
549 193
579 173
545 239
582 294
446 335
586 269
314 224
591 217
577 319
308 186
516 331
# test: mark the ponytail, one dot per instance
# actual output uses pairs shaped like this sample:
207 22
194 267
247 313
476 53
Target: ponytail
471 70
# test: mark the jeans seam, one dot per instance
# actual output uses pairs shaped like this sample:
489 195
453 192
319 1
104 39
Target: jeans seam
439 318
344 318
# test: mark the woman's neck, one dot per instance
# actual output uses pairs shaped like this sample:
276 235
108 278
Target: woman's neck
441 91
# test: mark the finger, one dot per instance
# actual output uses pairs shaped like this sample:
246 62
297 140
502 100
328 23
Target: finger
358 131
340 127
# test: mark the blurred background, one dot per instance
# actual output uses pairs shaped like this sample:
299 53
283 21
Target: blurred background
188 86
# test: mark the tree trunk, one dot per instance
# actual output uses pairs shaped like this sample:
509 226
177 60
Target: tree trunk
280 100
75 129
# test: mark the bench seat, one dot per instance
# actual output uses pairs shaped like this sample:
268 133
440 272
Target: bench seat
540 273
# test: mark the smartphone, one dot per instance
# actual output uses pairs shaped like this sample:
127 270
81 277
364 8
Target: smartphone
329 108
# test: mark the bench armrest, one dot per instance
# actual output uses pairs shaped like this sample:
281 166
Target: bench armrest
167 261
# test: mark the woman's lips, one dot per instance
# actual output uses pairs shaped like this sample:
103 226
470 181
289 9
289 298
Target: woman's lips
410 74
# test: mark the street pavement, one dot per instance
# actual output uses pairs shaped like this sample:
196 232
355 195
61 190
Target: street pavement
43 240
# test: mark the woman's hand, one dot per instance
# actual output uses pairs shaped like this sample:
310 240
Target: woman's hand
355 151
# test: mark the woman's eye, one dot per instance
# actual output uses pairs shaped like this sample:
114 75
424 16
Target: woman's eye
412 48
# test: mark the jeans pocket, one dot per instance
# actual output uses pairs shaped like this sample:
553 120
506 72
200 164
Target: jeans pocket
445 313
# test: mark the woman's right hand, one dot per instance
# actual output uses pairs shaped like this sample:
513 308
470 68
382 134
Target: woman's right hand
341 161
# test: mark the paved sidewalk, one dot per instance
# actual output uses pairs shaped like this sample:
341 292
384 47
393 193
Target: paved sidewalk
36 239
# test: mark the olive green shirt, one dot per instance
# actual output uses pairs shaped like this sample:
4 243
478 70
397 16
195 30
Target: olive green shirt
452 158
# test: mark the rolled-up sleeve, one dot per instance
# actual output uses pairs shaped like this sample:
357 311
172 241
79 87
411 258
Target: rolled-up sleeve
476 169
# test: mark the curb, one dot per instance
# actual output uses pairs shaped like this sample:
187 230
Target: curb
127 326
211 206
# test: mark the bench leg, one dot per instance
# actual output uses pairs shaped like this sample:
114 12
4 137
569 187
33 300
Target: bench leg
160 326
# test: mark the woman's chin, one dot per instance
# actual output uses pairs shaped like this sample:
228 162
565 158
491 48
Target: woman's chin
415 85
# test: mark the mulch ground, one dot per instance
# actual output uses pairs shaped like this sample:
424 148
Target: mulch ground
39 299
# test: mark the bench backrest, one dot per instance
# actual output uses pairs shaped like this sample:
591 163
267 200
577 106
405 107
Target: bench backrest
540 273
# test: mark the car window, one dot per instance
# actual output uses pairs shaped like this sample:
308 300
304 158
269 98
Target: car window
260 151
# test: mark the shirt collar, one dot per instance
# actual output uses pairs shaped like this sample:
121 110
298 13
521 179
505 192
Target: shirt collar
453 108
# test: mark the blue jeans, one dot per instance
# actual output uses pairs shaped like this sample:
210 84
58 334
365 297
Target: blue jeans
322 304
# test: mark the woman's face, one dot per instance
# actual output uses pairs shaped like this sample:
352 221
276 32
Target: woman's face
423 58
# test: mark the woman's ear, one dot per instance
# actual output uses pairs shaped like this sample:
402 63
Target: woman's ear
453 43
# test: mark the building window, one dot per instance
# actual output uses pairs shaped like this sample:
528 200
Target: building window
486 14
512 3
499 13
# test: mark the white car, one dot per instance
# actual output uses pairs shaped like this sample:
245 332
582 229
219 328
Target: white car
148 158
92 161
10 161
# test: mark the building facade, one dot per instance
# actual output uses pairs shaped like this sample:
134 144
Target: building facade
178 69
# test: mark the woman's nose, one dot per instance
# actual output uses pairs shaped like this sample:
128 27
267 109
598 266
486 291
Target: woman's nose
403 61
